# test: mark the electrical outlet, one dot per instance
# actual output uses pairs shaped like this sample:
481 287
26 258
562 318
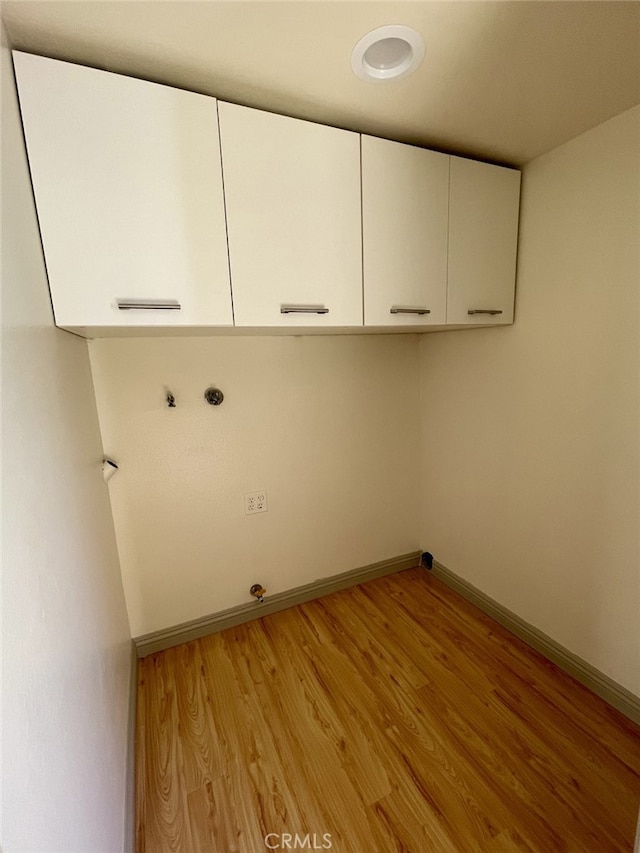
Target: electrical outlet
255 502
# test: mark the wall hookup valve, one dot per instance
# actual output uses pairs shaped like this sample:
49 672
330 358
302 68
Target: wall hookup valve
258 591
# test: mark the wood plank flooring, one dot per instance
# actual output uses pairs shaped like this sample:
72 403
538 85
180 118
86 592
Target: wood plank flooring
393 716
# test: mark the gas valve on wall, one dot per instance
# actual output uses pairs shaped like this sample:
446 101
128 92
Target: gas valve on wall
258 591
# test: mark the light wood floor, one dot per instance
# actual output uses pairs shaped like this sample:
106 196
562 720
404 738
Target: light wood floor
394 716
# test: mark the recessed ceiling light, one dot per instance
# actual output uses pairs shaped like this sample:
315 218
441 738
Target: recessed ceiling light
387 53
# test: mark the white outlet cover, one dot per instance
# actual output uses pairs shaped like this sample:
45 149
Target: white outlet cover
255 502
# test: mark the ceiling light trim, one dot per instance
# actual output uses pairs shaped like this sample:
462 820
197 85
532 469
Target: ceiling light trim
393 35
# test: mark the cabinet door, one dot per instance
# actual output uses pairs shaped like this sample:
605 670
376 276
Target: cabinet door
128 187
292 192
483 234
405 201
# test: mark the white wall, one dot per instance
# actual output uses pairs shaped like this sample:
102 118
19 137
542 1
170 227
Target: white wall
327 425
65 633
531 433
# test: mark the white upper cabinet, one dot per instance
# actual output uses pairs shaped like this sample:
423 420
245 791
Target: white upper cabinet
292 192
483 234
128 187
312 226
405 201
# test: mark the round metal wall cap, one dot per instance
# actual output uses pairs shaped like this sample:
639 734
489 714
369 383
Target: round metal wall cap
387 53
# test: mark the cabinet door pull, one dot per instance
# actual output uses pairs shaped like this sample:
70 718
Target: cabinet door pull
491 311
148 304
303 309
396 310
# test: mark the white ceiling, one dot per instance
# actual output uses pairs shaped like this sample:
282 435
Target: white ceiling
503 81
